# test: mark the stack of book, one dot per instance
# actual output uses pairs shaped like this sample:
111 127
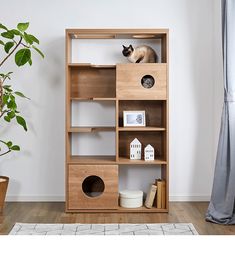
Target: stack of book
156 195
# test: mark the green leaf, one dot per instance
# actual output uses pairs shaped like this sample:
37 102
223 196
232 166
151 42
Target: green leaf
1 42
38 51
27 38
8 46
6 86
5 99
22 57
7 89
33 38
30 62
23 26
15 148
7 118
20 94
21 121
3 27
9 144
8 35
11 114
16 32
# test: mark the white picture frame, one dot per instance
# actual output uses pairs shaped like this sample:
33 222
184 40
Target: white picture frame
134 119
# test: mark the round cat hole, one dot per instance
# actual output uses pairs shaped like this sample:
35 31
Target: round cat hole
147 81
93 186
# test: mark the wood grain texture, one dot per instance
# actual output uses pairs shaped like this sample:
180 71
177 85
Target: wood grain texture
93 82
129 81
53 212
77 199
154 111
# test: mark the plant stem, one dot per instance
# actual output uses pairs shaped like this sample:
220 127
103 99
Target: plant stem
4 153
11 52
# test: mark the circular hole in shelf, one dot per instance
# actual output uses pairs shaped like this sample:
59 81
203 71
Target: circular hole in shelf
147 81
93 186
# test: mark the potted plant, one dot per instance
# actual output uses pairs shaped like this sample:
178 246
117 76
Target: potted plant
19 44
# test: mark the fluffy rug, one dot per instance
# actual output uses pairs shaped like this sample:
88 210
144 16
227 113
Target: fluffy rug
103 229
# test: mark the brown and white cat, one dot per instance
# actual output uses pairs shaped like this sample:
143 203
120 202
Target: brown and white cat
140 54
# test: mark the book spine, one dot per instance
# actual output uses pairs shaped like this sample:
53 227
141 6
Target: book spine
164 194
159 194
150 196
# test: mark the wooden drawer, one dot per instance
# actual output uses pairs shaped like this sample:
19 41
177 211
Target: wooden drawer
129 84
92 187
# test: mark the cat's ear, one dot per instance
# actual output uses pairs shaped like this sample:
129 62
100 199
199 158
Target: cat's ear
131 47
123 47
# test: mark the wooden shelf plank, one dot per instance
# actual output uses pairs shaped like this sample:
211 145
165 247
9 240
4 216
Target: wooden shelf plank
90 129
93 98
141 129
123 210
127 161
89 65
92 160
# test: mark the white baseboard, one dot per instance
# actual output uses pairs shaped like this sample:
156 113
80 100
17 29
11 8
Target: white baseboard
196 198
35 198
62 198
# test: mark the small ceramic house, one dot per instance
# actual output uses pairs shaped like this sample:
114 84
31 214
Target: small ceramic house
135 149
148 152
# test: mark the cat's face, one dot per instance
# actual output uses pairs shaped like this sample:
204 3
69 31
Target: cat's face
127 50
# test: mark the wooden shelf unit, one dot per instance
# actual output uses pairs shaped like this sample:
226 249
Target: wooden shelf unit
94 82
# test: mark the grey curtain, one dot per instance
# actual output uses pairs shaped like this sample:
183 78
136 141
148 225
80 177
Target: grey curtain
221 208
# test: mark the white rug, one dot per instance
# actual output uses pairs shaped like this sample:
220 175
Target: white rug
104 229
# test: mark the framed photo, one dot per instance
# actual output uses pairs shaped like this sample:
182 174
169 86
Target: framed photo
134 118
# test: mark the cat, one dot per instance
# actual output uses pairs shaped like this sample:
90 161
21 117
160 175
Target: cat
140 54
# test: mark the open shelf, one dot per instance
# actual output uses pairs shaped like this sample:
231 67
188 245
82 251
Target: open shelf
90 129
154 112
152 137
92 160
89 83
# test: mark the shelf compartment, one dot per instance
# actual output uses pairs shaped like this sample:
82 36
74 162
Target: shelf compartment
93 187
156 139
130 76
90 129
93 114
93 143
155 112
88 82
92 160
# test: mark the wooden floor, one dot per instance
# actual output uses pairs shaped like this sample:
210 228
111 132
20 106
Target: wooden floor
180 212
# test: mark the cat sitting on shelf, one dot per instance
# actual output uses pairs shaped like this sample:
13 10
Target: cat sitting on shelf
140 54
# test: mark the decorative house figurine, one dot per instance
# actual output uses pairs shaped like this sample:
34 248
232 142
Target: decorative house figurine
148 153
135 149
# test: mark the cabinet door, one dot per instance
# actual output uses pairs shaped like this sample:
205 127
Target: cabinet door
142 81
92 187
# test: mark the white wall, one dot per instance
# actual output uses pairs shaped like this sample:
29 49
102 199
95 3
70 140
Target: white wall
37 172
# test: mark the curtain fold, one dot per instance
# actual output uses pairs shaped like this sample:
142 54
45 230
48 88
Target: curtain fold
222 205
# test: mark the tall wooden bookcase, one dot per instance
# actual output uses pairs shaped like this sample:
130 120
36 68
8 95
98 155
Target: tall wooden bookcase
120 84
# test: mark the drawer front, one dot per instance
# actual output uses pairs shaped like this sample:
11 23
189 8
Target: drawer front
92 187
129 81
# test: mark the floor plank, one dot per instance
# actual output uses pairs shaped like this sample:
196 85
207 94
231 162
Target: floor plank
53 212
